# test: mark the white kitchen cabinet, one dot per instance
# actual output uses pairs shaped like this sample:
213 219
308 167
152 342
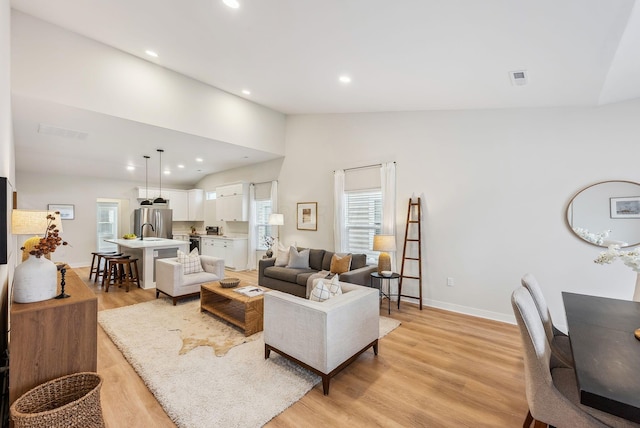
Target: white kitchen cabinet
153 193
179 203
233 251
232 202
196 204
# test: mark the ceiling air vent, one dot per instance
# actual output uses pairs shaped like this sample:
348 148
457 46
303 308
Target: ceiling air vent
519 77
61 132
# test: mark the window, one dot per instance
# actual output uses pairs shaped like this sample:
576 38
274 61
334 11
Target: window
107 225
363 211
263 211
210 196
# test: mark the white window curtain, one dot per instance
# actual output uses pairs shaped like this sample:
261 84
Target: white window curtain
274 197
252 259
339 229
388 186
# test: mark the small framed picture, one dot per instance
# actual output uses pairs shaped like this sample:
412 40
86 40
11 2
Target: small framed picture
67 212
307 216
625 207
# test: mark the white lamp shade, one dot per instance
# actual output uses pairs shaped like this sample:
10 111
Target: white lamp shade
276 219
384 243
32 222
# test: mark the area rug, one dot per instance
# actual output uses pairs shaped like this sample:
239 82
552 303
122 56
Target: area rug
203 371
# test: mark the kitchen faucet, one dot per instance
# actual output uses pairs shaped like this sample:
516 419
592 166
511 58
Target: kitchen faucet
142 227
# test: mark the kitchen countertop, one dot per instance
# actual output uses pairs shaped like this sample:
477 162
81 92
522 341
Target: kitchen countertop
147 242
235 237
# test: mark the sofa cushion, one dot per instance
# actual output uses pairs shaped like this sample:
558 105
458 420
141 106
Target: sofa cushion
358 261
285 273
326 260
315 259
340 264
190 262
199 278
298 260
302 278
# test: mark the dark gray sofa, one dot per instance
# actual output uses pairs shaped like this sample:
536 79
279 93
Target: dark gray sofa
294 281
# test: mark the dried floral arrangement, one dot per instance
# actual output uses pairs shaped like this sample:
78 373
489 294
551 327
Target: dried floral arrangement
51 240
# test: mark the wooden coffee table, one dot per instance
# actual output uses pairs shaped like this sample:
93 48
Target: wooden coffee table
240 310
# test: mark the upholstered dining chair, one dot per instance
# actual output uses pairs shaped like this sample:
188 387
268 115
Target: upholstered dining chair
552 393
561 354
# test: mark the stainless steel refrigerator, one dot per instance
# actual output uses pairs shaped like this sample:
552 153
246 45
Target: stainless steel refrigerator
160 218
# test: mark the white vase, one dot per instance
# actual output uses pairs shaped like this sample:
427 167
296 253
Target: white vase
636 292
35 280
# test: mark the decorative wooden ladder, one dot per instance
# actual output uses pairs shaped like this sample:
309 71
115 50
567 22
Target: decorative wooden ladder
412 220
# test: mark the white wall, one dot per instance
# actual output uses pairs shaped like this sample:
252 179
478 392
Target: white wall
60 66
7 158
36 191
496 184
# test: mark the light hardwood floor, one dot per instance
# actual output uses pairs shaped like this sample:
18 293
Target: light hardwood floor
438 369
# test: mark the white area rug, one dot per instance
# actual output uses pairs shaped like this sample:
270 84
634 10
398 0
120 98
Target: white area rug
174 350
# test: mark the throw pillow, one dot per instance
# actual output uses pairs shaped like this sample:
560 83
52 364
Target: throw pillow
190 262
320 292
334 288
298 260
323 291
340 264
282 255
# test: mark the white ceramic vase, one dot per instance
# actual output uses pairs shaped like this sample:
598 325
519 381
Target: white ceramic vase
636 291
35 280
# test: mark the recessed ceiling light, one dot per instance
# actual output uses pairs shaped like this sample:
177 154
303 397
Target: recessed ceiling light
199 160
167 172
246 92
180 166
151 53
345 79
130 167
233 4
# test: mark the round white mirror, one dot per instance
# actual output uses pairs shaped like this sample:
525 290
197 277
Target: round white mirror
606 213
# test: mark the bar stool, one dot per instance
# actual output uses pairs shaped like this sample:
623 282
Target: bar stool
118 272
106 271
97 256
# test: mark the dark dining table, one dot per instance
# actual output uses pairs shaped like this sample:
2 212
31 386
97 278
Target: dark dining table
605 352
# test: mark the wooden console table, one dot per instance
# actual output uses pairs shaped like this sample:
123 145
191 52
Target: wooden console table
52 338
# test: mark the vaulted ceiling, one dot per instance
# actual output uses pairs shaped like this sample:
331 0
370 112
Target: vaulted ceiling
401 55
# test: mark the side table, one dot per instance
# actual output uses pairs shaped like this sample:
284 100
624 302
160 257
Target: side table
379 280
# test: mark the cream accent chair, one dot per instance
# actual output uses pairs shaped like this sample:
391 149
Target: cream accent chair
171 280
552 392
561 353
323 337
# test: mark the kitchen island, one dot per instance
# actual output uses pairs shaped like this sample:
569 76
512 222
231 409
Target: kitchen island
147 251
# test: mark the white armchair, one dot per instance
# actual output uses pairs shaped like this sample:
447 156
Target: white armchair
323 337
171 280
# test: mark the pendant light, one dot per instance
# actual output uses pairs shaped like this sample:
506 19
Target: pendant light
159 199
146 182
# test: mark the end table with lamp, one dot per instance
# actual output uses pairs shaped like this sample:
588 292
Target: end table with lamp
378 279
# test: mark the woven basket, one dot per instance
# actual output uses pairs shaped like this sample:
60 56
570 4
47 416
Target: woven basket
66 402
229 282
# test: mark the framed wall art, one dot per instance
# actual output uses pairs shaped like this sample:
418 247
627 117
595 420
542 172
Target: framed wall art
67 212
625 207
307 216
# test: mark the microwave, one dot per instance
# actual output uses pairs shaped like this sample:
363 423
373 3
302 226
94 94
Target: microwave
213 230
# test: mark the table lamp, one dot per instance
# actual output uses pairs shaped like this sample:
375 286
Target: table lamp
384 244
31 222
275 219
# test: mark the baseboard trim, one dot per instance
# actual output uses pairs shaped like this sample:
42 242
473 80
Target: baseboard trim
467 310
